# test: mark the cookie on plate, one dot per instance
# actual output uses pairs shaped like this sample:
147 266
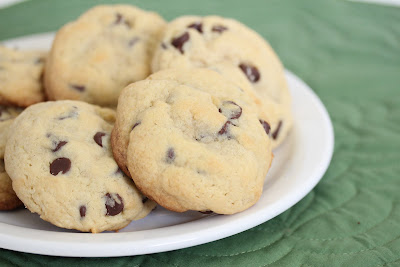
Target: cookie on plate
21 76
192 140
59 158
192 41
93 58
8 198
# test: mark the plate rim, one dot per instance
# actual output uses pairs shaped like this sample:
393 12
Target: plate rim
76 244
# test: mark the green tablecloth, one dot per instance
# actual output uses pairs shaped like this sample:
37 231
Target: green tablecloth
349 53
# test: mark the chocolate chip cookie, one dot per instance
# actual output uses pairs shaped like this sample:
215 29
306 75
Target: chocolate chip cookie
8 198
192 41
21 76
93 58
192 140
59 158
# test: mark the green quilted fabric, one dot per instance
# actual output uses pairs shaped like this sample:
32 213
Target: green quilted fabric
349 53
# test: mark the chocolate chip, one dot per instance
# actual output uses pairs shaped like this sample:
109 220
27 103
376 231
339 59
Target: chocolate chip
144 199
251 72
164 46
170 155
82 211
178 42
59 145
276 132
266 126
231 110
198 26
224 128
219 28
77 87
114 204
120 19
136 124
60 165
133 41
98 138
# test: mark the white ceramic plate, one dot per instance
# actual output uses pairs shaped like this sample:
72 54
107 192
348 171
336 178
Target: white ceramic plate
299 164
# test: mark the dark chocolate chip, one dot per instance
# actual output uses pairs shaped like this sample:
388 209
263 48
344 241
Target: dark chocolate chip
251 72
198 26
59 145
170 155
133 41
219 28
114 204
231 110
266 126
224 128
98 138
60 165
164 46
144 199
77 87
178 42
206 212
82 211
276 132
136 124
120 19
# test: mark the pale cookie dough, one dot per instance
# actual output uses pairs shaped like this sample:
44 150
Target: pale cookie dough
93 58
192 140
8 198
59 158
192 41
21 76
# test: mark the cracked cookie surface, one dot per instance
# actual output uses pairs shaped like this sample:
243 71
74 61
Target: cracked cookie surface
93 58
59 158
192 41
192 140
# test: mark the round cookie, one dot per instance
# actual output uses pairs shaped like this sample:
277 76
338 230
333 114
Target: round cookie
8 198
60 161
268 110
192 140
21 76
93 58
192 41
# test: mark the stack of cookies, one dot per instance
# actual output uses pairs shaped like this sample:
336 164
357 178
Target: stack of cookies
139 113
